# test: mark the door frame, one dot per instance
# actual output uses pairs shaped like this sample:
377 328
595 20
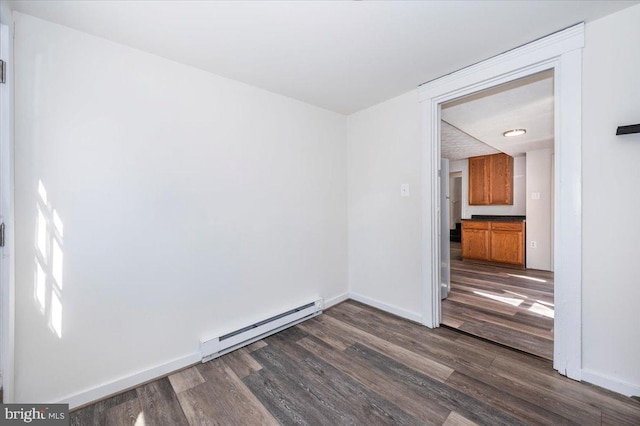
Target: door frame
7 270
562 52
445 230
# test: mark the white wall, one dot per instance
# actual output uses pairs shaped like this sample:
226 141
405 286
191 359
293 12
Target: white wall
611 287
188 205
518 208
384 228
455 198
539 211
7 289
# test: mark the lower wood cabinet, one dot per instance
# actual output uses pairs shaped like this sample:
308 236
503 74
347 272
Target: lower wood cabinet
500 242
476 240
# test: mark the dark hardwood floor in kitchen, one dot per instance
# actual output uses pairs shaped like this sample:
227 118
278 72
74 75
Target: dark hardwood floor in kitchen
357 365
513 307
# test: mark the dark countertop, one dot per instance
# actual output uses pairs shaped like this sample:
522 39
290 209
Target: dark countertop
494 218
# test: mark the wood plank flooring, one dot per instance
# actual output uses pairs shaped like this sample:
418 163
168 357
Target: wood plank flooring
357 365
513 307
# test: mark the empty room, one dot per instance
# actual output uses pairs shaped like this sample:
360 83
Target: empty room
241 212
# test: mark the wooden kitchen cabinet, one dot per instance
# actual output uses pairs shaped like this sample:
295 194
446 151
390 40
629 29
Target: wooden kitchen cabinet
500 242
491 180
479 180
507 243
475 240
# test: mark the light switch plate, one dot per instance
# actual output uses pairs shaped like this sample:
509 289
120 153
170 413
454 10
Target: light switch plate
404 190
535 195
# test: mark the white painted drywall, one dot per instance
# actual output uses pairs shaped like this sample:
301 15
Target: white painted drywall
611 287
539 210
7 288
518 208
384 228
187 205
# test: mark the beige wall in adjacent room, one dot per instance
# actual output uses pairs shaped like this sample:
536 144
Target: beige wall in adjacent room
540 209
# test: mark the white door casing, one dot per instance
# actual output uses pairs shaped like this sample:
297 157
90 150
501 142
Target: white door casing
445 245
562 52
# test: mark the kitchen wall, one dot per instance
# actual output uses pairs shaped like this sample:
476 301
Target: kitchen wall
157 204
519 194
540 209
611 287
455 198
532 173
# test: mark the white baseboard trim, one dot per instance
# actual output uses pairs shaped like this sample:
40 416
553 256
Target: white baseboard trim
612 384
136 379
125 383
335 300
120 385
386 307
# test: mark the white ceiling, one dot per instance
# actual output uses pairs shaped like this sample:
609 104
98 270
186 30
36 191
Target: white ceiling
457 145
340 55
522 104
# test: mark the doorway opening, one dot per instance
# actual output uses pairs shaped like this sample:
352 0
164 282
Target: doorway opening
500 202
562 53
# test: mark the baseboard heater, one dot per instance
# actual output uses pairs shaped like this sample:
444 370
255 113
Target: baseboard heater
218 346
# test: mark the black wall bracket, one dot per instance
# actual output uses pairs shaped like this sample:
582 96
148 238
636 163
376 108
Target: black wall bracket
626 130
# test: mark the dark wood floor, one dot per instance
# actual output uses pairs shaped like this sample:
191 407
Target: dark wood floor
513 307
357 365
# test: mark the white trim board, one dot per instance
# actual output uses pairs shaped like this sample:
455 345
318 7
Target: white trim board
626 389
131 381
561 52
335 300
139 378
123 384
412 316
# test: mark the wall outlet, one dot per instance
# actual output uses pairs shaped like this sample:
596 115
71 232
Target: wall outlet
535 195
533 244
404 190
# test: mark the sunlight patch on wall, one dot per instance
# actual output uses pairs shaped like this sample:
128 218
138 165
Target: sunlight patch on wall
41 287
41 233
56 263
49 262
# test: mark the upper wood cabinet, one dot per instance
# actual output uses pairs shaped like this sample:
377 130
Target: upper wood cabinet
479 180
501 179
491 180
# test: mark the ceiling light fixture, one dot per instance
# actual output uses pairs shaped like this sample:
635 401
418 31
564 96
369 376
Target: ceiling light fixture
514 132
